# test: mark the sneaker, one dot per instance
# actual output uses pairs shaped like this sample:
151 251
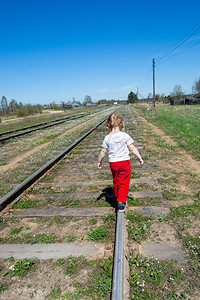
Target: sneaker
121 206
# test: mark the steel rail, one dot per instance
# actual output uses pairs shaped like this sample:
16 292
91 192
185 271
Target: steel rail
16 192
117 283
50 122
32 130
42 127
37 125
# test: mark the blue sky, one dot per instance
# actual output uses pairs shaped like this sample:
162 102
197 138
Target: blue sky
58 50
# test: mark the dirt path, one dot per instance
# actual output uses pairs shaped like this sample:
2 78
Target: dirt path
188 159
19 158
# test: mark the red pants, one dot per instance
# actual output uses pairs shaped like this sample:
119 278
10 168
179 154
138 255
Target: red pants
121 172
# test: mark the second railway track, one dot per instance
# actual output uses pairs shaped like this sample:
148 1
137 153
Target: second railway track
8 135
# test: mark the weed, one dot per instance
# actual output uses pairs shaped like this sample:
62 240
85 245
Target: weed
135 202
48 201
151 152
176 296
70 190
99 287
60 262
185 210
57 220
3 287
138 227
192 243
48 178
93 221
173 194
55 293
26 203
192 174
134 188
93 187
50 137
151 275
71 238
165 175
3 223
134 174
16 230
29 239
163 143
74 264
22 267
174 179
99 234
46 239
109 219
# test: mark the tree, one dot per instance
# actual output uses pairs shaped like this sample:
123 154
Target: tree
177 92
157 97
4 105
13 105
197 86
132 97
87 100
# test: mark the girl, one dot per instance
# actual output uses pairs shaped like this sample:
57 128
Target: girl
118 144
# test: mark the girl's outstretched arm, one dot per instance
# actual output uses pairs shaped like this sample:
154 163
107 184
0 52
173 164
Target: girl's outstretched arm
101 156
134 150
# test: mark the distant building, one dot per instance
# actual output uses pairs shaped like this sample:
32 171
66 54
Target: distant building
46 106
122 101
90 104
185 101
72 104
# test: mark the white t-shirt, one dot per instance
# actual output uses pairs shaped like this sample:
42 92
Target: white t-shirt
117 144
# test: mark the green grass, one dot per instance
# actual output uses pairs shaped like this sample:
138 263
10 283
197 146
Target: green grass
150 277
99 234
93 221
97 285
162 143
71 238
3 223
28 238
50 137
22 267
138 227
180 218
16 230
55 293
180 122
73 265
3 287
26 203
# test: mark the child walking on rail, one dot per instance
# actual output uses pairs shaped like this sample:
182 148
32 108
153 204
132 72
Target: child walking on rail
118 144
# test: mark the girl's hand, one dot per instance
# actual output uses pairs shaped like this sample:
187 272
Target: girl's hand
141 161
99 165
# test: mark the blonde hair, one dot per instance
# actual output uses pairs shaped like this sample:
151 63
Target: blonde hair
115 120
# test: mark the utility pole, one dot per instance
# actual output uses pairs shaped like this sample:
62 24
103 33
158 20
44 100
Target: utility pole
154 96
137 96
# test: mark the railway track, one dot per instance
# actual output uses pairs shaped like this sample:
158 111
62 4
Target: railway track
71 186
6 136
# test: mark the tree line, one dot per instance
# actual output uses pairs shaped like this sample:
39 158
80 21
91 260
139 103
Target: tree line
177 93
15 108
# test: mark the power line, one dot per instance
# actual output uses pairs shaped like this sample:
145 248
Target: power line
189 46
179 43
173 48
147 77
